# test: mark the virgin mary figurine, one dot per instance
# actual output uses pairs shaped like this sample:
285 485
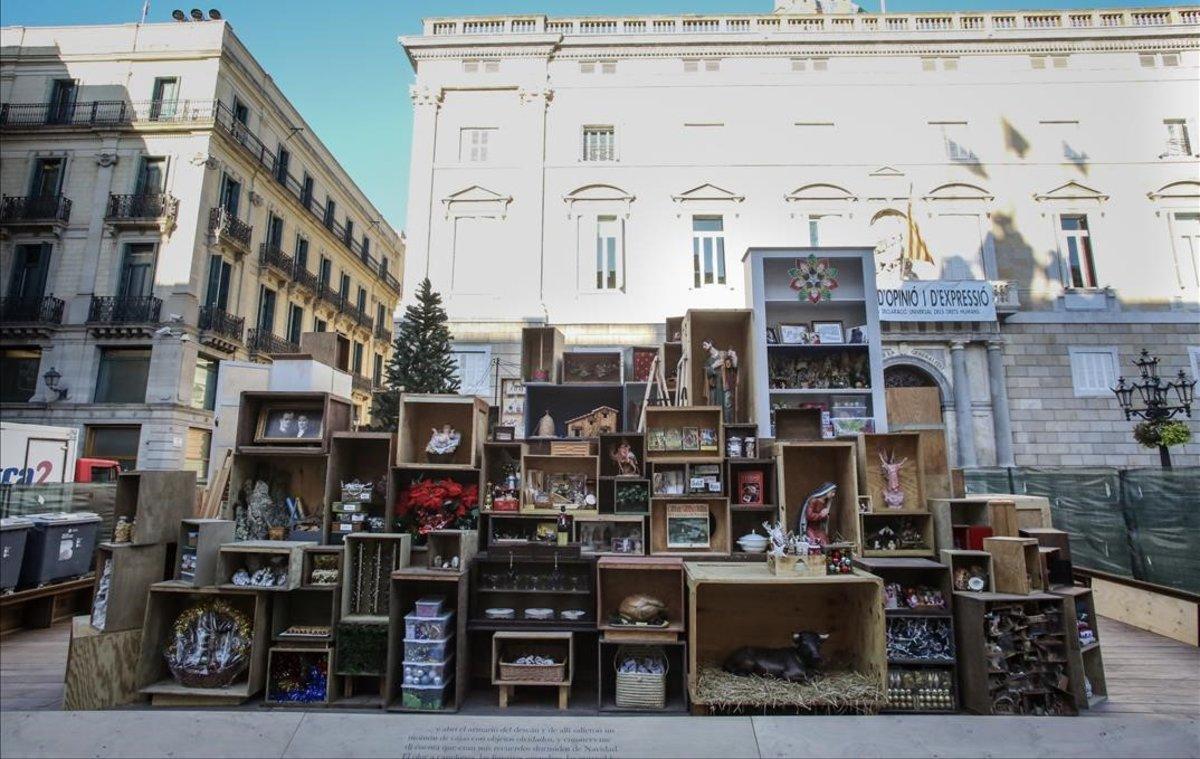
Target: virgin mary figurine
721 378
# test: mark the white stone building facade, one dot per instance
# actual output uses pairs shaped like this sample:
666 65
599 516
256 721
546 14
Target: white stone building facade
166 209
582 171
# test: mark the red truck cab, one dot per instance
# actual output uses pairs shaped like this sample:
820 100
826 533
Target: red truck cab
96 470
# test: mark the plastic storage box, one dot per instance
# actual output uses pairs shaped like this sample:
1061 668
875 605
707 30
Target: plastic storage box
13 532
429 606
417 627
431 697
426 651
421 673
60 545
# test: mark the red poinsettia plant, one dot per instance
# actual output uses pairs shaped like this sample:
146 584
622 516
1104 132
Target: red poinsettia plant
428 505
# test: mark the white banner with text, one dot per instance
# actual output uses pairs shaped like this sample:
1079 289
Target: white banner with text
938 301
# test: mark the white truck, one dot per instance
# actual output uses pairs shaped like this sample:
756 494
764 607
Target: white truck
36 454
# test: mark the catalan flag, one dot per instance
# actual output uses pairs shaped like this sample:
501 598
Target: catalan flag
916 250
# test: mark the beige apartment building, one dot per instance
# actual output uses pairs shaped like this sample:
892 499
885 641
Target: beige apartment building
605 172
166 209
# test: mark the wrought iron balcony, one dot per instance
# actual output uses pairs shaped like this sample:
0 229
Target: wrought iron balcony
143 209
265 342
383 333
35 210
123 309
106 113
220 323
361 384
331 296
37 310
304 278
229 229
271 256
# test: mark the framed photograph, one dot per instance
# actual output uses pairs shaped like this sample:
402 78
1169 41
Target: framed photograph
668 482
690 439
829 333
708 439
290 423
656 440
504 434
628 544
512 404
750 487
793 334
772 336
688 526
674 440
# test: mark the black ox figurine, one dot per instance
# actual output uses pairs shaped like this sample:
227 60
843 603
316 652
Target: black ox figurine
797 664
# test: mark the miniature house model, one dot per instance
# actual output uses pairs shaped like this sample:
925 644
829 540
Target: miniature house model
594 422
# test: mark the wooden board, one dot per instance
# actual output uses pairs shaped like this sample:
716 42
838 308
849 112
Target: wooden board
101 667
155 501
1016 567
1175 618
134 569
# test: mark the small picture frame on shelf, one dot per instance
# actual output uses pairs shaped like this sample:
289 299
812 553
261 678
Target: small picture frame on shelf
688 526
690 439
504 434
829 332
708 439
858 335
793 334
772 336
673 440
750 487
627 544
289 423
656 440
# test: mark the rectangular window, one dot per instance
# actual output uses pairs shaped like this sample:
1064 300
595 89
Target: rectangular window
152 175
366 246
955 140
204 383
325 272
345 286
320 325
474 370
231 194
274 232
330 210
137 270
349 238
825 229
380 316
295 323
377 370
708 250
19 380
301 253
1186 228
241 112
266 309
62 101
195 458
1077 250
306 190
607 253
122 375
361 302
47 177
117 443
164 98
473 144
219 272
357 364
1093 371
1179 142
599 143
31 266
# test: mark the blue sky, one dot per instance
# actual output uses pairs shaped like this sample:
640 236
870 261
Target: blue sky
340 64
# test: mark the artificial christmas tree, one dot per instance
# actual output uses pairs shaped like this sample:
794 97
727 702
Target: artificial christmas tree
421 360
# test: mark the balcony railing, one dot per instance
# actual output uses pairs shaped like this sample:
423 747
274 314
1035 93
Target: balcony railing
360 383
264 341
326 293
142 207
1006 296
229 227
220 322
270 255
122 309
305 278
90 113
35 209
383 333
44 310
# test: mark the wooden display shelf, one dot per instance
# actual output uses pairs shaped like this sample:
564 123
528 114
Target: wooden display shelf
610 442
727 329
541 351
101 668
1016 565
551 465
798 425
618 577
496 456
591 367
567 402
734 468
307 606
421 413
365 457
507 528
331 680
553 644
235 556
872 480
523 579
871 522
383 553
335 414
734 604
675 652
307 565
969 560
660 419
1086 661
134 569
595 535
803 467
155 502
301 474
408 585
167 600
448 544
1059 569
720 539
202 539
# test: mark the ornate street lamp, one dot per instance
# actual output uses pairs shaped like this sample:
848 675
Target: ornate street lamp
51 378
1155 395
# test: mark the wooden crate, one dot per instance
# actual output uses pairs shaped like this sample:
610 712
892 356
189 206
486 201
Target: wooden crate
301 474
498 529
592 366
1002 516
950 514
797 425
541 352
1032 510
364 598
323 653
1016 565
1086 661
308 564
738 604
630 495
873 480
673 329
922 521
448 544
802 467
235 556
154 501
550 465
362 456
728 329
595 534
554 644
408 585
421 413
567 402
967 560
618 577
720 539
609 443
497 458
675 652
133 570
166 602
202 539
661 419
336 414
1059 569
306 606
101 667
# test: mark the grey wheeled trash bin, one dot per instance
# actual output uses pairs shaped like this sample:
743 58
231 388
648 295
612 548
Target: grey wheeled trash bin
60 545
13 532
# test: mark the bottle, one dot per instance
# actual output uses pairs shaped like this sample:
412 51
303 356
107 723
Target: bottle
564 527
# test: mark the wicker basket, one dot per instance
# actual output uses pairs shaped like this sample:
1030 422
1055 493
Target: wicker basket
639 690
534 673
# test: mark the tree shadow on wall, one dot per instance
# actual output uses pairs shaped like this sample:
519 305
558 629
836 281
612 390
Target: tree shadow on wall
1016 260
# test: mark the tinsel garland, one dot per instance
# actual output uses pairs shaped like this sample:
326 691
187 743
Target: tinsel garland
211 644
295 678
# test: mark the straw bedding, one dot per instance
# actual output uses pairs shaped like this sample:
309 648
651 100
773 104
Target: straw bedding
839 692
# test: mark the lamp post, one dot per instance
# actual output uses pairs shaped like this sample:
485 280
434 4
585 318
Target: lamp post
1155 396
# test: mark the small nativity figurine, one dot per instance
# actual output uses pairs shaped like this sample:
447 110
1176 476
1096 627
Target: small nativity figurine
721 379
444 442
626 460
814 517
546 426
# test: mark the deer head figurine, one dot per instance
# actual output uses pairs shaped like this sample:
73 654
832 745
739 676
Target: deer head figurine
893 494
